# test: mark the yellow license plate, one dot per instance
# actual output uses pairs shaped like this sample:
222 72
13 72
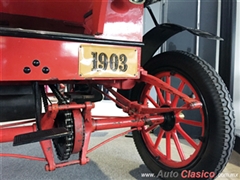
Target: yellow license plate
107 61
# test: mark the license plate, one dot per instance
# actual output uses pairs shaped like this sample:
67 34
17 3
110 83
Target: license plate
107 61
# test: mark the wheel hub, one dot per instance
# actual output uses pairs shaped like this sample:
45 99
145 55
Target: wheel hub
169 121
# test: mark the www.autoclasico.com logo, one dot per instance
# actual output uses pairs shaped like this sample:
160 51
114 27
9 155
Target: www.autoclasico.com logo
187 174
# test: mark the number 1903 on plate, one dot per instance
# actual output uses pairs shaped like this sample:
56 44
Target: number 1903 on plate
107 61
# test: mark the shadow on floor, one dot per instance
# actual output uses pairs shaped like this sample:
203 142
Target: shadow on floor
136 173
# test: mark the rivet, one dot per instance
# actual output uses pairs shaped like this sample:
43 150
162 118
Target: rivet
45 70
36 62
26 70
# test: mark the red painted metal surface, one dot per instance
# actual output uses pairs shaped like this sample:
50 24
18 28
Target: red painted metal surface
110 18
8 134
110 139
69 11
78 130
8 125
89 128
60 57
22 156
61 10
123 21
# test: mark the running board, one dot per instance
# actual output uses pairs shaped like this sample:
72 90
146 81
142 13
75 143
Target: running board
40 136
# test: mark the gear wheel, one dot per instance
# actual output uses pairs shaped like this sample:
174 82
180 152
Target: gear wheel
64 145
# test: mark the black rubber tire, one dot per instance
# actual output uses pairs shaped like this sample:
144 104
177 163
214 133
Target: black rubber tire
219 128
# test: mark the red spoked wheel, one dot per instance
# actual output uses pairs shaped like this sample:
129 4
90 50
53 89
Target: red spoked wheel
197 140
167 144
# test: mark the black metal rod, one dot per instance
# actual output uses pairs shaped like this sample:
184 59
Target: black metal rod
152 16
38 104
59 96
15 32
227 47
44 98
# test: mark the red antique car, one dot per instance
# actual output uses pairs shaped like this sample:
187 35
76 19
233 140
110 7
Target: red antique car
78 48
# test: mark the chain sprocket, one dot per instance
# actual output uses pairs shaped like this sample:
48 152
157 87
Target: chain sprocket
64 145
71 120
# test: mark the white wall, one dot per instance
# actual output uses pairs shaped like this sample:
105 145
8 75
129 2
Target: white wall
148 22
236 96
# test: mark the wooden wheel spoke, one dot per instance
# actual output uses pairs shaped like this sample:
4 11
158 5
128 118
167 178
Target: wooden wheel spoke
152 101
151 128
178 145
168 95
176 98
186 136
160 96
168 145
190 122
159 138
